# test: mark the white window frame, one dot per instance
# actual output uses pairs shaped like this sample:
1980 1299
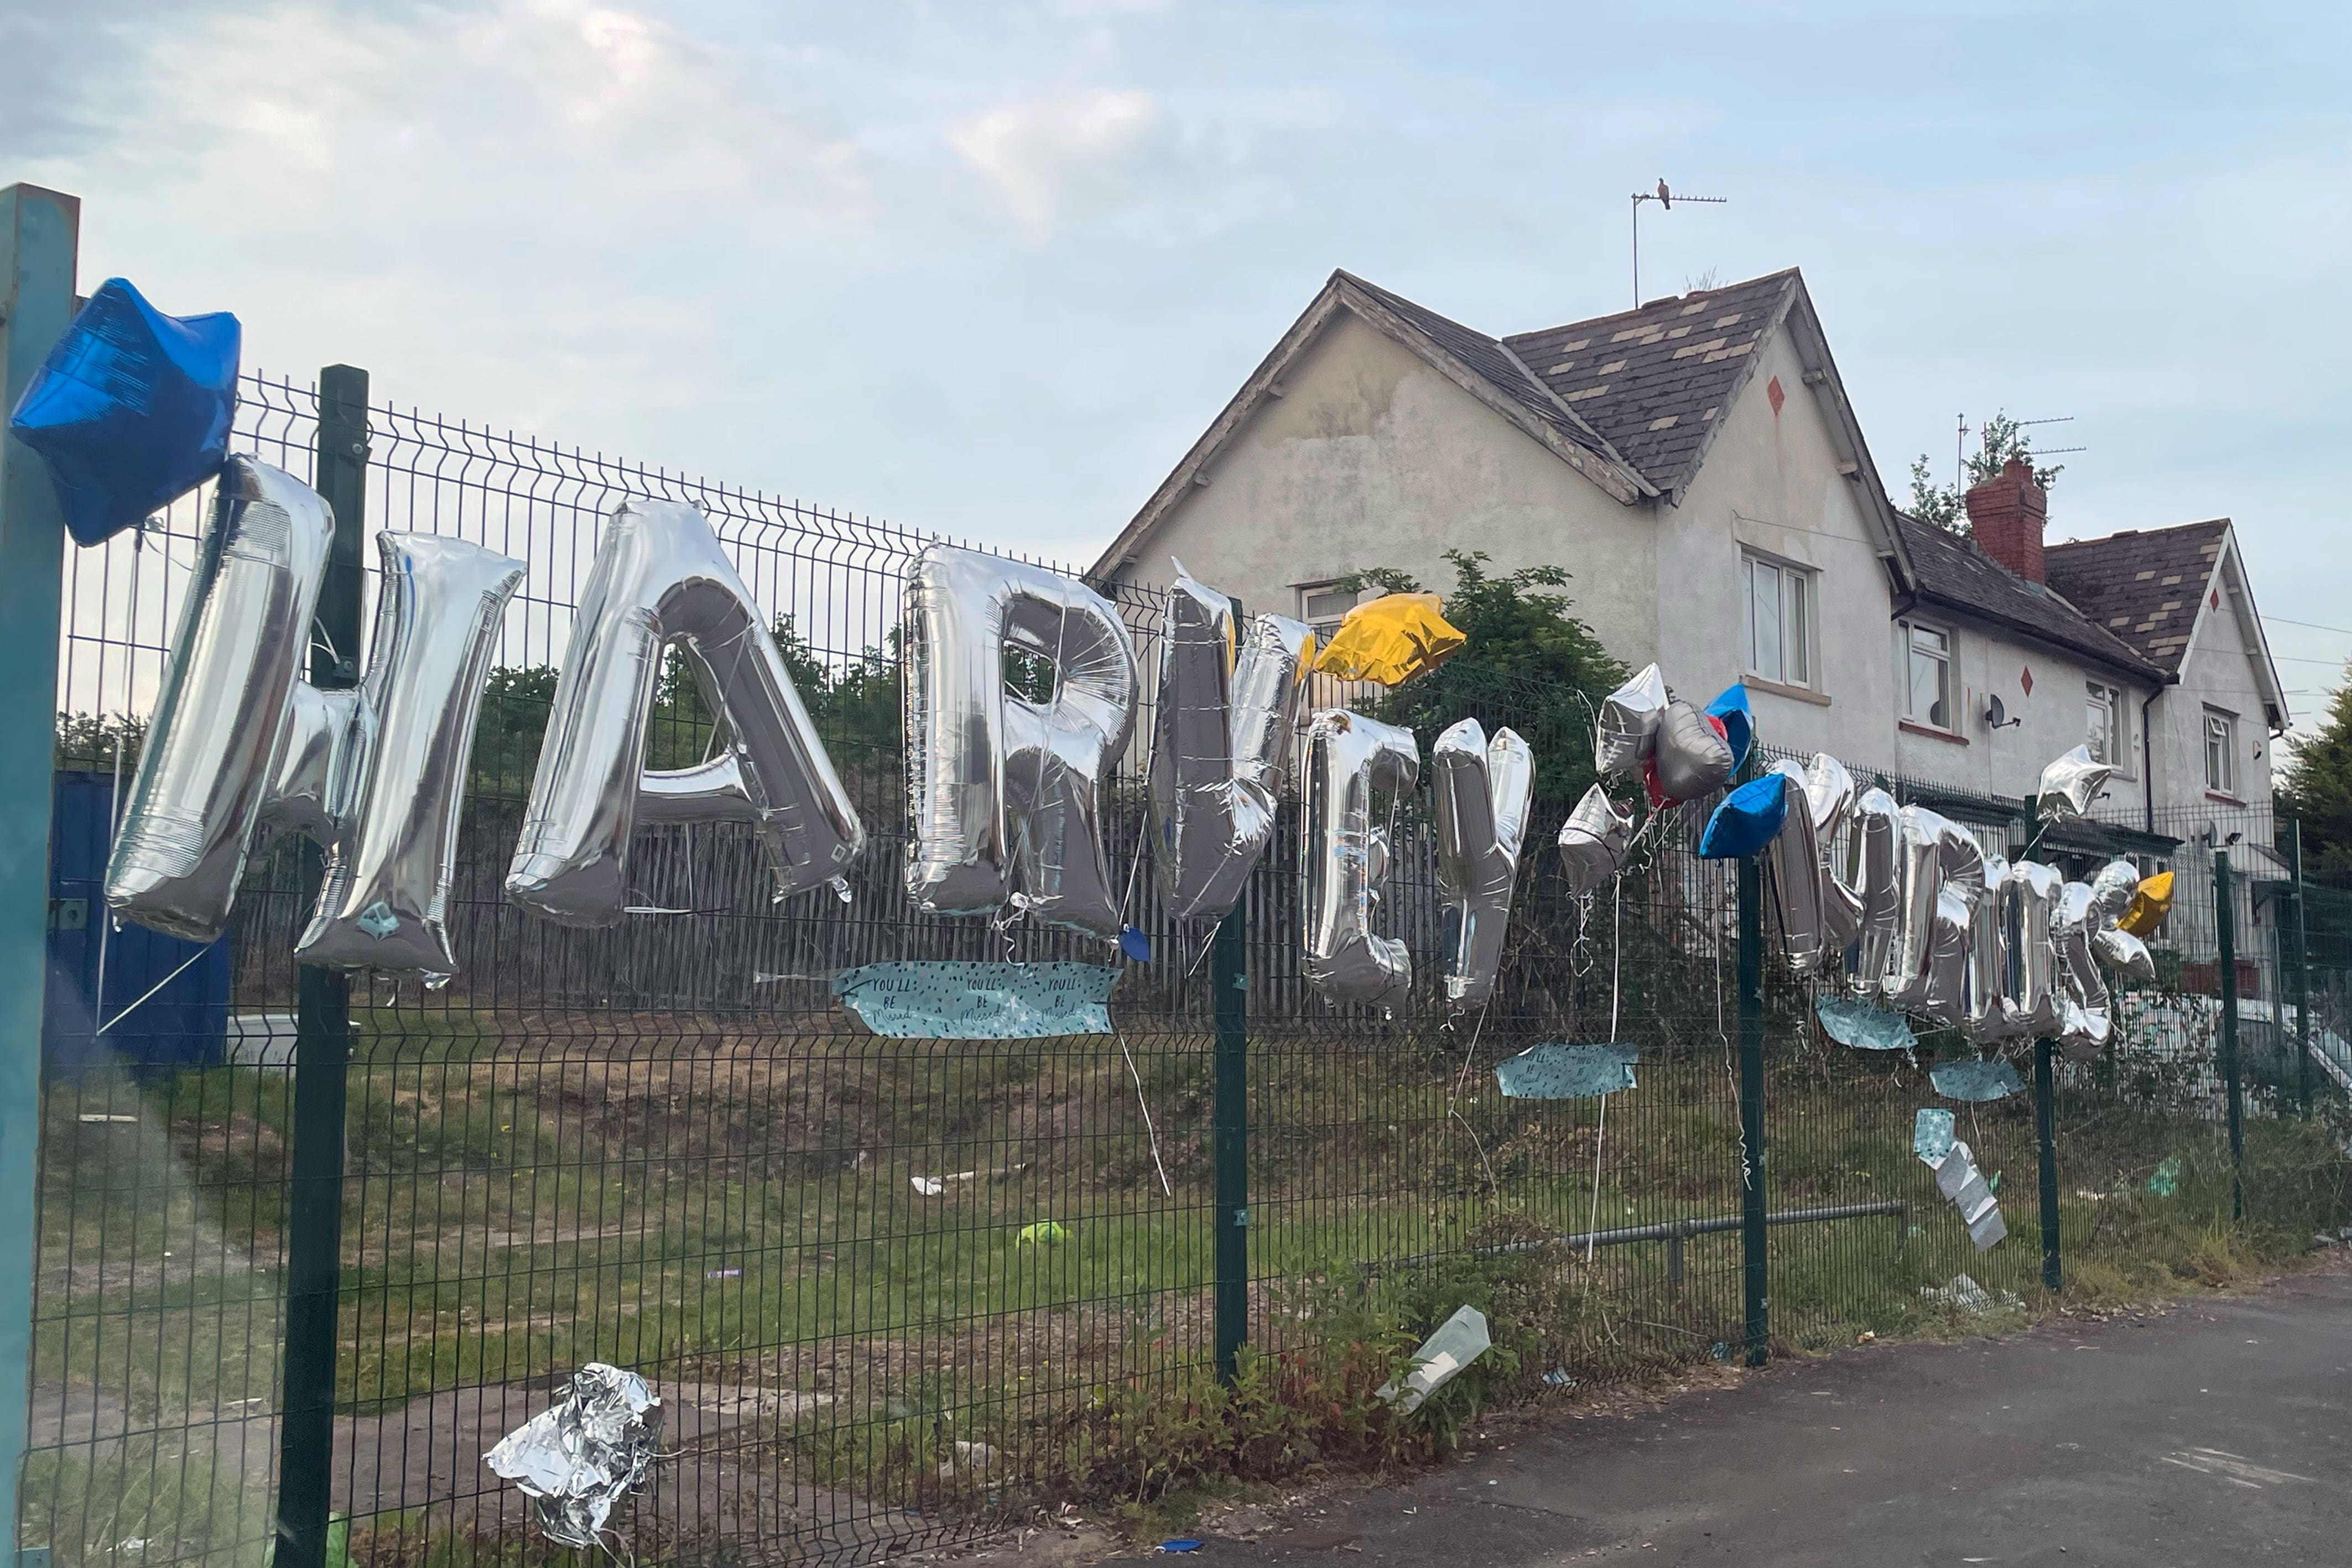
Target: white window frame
1907 649
1323 625
2221 752
2116 739
1795 591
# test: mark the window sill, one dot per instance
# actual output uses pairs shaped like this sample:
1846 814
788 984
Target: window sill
1779 689
2224 800
1946 736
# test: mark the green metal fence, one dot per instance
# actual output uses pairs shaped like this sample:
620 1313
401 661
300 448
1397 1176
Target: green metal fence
289 1291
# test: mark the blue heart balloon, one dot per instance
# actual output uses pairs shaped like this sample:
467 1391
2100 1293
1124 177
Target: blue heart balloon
132 409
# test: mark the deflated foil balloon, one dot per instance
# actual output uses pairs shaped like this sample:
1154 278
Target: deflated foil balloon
1878 884
2084 1024
660 580
2125 954
1629 724
1593 841
2031 894
2070 784
2150 903
1829 800
592 1449
1391 639
1346 855
1987 1015
1219 735
375 775
1795 857
1688 758
1942 876
1959 1180
1006 793
1482 789
130 410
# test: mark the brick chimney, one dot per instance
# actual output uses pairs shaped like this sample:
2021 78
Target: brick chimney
2005 515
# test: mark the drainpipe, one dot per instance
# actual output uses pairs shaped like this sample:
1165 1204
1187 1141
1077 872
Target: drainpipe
2147 756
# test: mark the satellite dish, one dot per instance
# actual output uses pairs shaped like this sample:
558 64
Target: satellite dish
1996 716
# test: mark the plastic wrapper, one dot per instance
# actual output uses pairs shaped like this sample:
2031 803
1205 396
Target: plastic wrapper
1346 852
1391 639
130 410
1482 790
1228 703
577 1460
1459 1340
1629 724
661 581
1006 793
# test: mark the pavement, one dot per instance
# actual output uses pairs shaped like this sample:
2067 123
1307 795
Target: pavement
2217 1431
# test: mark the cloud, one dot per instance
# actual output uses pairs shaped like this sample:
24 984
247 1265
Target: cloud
1074 152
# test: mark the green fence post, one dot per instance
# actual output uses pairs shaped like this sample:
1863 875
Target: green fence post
322 1041
2301 969
1229 985
1754 1236
2225 924
39 231
2045 1129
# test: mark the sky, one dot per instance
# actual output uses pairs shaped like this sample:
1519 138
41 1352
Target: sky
988 270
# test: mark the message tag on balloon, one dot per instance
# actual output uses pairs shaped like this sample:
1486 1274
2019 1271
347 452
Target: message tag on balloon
1006 789
1349 757
375 775
1483 789
1220 734
661 581
1567 1071
957 1000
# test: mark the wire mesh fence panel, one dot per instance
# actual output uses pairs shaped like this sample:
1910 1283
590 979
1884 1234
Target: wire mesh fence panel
894 1292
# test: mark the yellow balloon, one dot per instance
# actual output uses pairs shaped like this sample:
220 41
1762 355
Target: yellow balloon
2151 902
1391 639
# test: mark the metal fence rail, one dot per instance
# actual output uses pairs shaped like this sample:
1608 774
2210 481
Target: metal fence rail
666 1147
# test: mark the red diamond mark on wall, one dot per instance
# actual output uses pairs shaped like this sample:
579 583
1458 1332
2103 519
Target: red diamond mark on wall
2216 596
2026 680
1773 393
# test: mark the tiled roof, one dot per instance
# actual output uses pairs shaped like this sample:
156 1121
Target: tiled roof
1654 381
1951 571
2142 585
1496 364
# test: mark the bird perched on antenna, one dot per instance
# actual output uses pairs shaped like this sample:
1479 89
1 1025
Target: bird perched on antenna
1665 197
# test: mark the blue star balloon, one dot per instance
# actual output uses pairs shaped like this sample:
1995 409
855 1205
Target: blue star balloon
1748 817
132 409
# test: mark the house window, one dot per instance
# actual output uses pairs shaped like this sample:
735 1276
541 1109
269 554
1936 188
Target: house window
1323 607
1779 621
2221 751
2104 724
1923 673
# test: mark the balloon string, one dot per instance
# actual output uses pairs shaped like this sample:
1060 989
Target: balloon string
1591 1226
156 987
1616 948
1144 1105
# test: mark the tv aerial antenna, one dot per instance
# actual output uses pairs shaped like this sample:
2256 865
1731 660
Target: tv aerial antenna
1665 200
1960 444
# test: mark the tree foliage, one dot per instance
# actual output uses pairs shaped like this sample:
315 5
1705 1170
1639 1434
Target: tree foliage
2315 785
2000 439
1528 664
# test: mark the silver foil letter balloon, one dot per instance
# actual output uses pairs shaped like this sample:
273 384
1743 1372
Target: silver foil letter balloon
660 580
1829 795
375 775
1942 870
1877 885
1482 788
1795 856
1006 792
389 759
1988 1013
1346 854
1219 735
226 704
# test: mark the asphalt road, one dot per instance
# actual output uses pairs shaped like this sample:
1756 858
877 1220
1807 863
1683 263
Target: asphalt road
2218 1432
